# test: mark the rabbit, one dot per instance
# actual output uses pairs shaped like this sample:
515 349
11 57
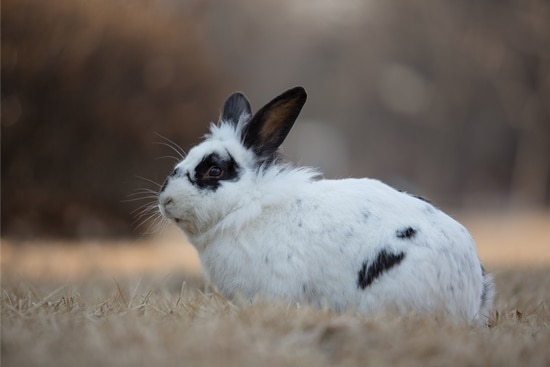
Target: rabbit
263 227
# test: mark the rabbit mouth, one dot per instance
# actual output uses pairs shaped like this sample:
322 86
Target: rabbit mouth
173 218
166 212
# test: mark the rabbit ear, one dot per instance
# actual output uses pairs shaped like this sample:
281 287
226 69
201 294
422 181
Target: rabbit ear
235 106
269 127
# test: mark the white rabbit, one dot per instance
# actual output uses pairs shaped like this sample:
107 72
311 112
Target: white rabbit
263 227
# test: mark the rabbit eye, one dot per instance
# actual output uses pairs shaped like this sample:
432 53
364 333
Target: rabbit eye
214 172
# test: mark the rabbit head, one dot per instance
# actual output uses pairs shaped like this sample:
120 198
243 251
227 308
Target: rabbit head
219 175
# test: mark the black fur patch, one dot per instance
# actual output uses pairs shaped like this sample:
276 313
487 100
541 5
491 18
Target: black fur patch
164 185
235 106
365 214
383 262
408 232
230 171
421 198
416 196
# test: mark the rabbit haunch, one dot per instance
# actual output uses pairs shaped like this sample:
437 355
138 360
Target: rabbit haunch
264 228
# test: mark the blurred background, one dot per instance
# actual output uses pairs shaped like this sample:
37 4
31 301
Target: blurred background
445 99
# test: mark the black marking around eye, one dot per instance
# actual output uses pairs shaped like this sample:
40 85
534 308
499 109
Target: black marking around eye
408 232
383 262
227 164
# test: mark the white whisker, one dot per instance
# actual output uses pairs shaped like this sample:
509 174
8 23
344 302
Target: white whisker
149 180
169 156
172 145
143 191
144 208
148 197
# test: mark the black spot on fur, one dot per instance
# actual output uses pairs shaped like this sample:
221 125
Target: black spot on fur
230 171
422 198
408 232
365 214
381 264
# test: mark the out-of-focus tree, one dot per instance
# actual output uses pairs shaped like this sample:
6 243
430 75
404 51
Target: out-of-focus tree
85 86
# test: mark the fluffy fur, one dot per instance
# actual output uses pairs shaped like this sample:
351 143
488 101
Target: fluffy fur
277 231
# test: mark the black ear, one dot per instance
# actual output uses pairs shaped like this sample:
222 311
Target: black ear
235 106
269 127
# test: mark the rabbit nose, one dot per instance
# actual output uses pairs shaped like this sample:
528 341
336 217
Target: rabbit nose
166 201
167 207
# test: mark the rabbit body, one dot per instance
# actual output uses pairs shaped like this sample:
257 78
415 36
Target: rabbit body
263 228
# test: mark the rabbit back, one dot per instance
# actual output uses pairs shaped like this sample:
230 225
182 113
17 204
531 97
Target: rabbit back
354 243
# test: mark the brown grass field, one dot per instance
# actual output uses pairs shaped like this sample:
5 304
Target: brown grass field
145 304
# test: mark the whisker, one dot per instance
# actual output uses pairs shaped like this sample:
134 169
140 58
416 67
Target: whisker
144 208
147 207
148 180
172 145
146 219
169 156
159 223
140 198
143 190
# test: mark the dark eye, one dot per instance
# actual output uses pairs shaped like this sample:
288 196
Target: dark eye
214 172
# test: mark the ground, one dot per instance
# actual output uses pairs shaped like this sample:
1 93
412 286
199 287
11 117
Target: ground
144 303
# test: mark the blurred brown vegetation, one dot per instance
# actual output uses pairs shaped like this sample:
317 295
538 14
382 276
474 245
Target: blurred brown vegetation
85 86
447 99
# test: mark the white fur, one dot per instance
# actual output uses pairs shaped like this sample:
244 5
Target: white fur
282 232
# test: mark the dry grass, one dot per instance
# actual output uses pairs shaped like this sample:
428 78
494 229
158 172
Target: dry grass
153 313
